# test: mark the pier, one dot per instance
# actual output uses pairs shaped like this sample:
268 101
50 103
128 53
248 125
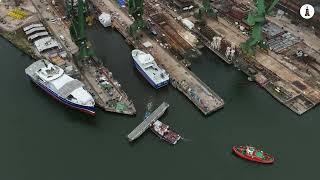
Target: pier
142 127
98 79
202 96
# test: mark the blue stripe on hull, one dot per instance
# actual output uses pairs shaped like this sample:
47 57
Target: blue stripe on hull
87 109
157 86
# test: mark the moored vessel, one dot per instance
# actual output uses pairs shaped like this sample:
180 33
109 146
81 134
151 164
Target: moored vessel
105 19
253 154
53 80
147 66
163 131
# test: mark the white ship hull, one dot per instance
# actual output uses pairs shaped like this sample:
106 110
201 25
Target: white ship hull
105 20
30 71
156 82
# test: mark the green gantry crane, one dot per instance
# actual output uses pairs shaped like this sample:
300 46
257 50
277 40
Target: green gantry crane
77 9
206 9
256 19
136 11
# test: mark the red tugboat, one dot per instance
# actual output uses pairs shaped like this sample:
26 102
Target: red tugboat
163 131
252 154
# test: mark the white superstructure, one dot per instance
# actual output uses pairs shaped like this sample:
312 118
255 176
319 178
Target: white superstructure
64 88
105 19
146 64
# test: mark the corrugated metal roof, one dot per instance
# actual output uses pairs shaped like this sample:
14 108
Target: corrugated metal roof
45 44
32 26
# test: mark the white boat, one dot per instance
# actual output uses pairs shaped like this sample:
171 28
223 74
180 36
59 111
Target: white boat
105 19
147 66
60 86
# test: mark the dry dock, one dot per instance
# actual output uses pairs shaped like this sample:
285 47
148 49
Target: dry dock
182 78
142 127
287 78
59 48
106 90
271 74
108 93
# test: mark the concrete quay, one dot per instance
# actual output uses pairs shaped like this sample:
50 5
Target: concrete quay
142 127
268 70
53 18
182 78
107 92
98 79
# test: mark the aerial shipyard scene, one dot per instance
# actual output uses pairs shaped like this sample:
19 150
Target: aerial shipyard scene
178 89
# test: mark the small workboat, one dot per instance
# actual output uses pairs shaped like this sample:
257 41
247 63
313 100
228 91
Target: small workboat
253 154
162 130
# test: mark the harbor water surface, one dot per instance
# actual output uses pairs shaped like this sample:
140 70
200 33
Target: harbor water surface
42 140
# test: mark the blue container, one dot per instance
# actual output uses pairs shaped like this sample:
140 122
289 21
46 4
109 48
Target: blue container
122 3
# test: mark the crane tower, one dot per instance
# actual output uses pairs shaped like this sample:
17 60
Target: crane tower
77 10
256 19
136 10
206 10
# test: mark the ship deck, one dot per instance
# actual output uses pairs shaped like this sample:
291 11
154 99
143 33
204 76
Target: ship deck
142 127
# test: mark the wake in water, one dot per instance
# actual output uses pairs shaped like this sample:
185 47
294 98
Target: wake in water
185 139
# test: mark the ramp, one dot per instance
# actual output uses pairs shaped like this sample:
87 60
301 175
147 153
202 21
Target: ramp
142 127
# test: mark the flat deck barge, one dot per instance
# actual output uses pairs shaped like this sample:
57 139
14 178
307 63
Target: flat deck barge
142 127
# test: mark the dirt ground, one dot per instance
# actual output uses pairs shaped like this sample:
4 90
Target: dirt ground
11 24
231 33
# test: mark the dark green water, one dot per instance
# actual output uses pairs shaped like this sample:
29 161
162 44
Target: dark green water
42 140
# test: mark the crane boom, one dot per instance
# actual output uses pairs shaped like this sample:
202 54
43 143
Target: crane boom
273 4
136 10
257 19
206 9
